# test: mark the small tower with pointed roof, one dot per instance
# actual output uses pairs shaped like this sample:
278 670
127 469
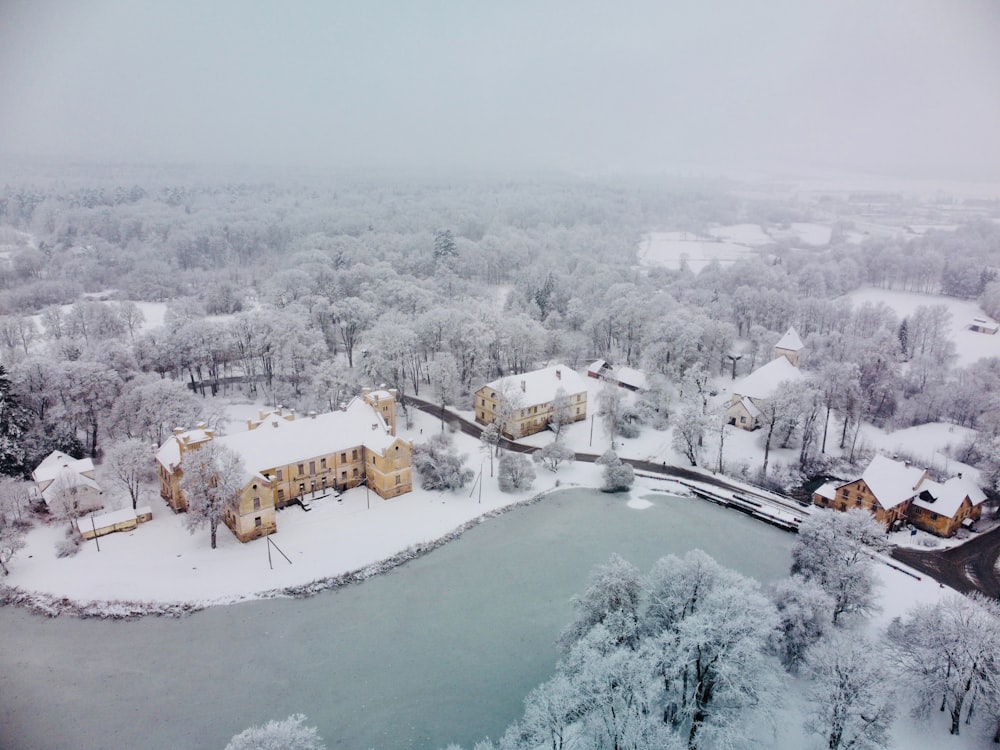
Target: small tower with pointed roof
790 346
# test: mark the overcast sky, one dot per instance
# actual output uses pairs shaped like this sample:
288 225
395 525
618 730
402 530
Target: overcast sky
886 86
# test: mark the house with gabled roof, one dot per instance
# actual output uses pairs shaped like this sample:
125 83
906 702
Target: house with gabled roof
751 392
60 478
896 491
289 457
943 508
525 404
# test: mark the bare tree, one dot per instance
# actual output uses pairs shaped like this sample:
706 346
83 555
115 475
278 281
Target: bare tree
131 464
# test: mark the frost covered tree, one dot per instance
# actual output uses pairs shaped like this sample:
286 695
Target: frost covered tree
553 454
851 700
562 411
803 617
707 630
14 423
689 432
287 734
515 472
131 464
213 478
947 653
11 541
611 599
490 439
675 586
443 375
610 404
440 465
835 550
618 475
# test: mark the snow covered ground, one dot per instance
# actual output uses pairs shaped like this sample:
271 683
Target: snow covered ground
671 249
970 346
160 562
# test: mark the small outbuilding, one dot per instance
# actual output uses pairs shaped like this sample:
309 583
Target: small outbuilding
982 325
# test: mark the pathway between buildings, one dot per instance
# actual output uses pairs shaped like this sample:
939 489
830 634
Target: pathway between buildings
970 567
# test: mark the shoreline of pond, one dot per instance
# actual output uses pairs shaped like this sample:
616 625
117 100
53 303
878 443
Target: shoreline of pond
50 606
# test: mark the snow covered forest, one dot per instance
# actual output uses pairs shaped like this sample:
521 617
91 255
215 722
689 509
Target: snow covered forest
300 288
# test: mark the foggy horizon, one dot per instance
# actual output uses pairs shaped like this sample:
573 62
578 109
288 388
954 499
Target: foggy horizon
904 88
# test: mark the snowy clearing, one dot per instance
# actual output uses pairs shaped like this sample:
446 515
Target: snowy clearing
672 249
969 345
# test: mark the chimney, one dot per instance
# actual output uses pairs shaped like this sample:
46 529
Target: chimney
209 433
343 406
274 423
524 386
365 390
178 431
959 475
558 374
201 426
312 415
280 410
291 414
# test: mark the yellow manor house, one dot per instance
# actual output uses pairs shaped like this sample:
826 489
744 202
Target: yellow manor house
287 457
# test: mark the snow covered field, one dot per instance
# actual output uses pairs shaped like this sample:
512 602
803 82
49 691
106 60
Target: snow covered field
970 346
671 249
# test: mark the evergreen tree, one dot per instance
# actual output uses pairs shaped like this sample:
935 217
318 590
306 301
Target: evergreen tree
14 423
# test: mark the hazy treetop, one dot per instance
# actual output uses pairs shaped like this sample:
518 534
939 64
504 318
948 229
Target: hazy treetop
902 86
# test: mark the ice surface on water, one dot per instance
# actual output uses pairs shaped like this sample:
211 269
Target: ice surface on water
442 649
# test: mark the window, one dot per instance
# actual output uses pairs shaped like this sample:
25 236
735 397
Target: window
256 503
845 493
354 454
302 488
322 464
280 475
355 472
343 458
343 475
483 400
858 500
281 496
578 410
312 468
257 522
399 479
302 469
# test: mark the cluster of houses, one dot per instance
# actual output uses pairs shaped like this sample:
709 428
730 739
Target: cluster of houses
290 458
895 492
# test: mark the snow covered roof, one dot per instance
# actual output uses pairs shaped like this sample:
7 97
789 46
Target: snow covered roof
540 386
621 374
762 382
892 482
828 490
790 341
56 463
751 407
85 524
945 498
279 442
67 479
169 454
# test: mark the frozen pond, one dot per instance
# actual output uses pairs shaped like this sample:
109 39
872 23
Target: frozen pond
442 649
